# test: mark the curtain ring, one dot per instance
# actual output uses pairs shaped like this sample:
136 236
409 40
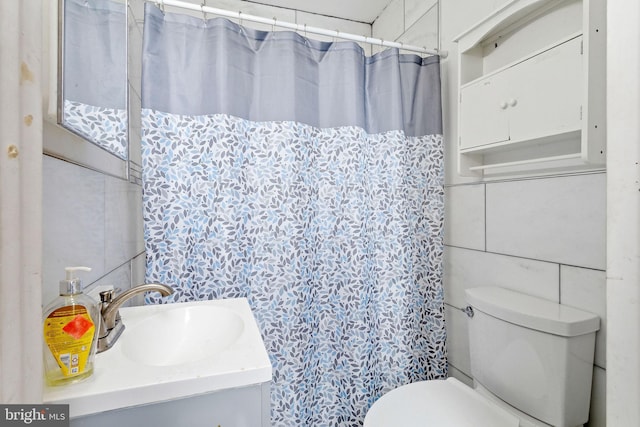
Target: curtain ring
336 36
305 30
160 4
240 17
273 24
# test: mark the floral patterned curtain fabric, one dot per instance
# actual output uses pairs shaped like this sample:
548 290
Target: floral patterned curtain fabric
330 224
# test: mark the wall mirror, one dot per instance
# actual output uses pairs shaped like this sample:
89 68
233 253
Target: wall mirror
92 89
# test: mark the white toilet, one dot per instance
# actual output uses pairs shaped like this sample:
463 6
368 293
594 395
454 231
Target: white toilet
531 361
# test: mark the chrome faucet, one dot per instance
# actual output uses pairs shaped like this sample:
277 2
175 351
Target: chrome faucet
111 325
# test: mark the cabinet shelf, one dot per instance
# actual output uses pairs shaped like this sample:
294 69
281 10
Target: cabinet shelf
546 160
531 88
556 138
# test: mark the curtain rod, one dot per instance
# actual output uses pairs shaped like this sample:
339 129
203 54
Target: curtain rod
296 27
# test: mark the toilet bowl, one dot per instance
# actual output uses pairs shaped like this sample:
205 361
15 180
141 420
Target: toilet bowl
531 362
437 403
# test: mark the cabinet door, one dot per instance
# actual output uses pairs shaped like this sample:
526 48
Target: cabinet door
545 93
483 112
237 407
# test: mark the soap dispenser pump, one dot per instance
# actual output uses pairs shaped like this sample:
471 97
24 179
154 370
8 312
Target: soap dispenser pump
70 328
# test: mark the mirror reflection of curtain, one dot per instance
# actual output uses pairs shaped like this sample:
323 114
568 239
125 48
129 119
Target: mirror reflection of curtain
308 178
95 72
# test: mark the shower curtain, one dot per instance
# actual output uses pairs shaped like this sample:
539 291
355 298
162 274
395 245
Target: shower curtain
307 178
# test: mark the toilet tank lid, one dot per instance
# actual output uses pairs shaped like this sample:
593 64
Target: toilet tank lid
532 312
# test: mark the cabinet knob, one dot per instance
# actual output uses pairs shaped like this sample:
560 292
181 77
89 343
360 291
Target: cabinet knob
503 105
513 102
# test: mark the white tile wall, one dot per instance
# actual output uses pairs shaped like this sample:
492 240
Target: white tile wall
136 7
464 216
561 219
119 278
73 223
413 22
424 32
138 269
586 289
91 219
415 9
124 238
390 24
331 23
466 268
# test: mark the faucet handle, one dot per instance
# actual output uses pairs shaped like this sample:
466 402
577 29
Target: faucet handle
106 296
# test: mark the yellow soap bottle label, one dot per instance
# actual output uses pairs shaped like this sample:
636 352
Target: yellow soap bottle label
68 332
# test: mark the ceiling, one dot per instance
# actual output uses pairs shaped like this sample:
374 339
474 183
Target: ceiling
356 10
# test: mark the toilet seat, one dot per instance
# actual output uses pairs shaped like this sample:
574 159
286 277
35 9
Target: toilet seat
437 403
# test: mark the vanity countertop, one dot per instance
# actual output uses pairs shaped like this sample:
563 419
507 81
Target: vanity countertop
120 381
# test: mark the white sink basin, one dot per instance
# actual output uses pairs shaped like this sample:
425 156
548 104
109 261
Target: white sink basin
172 351
181 335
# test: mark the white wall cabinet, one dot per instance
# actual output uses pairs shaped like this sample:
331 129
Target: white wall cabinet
538 97
531 92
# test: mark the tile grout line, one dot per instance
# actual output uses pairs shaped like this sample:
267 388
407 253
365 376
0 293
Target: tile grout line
524 257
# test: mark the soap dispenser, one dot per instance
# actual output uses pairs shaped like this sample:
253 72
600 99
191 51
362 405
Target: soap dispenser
70 328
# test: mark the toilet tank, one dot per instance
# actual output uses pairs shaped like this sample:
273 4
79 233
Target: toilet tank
534 354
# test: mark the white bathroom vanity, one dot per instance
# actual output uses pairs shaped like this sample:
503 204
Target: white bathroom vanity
185 364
